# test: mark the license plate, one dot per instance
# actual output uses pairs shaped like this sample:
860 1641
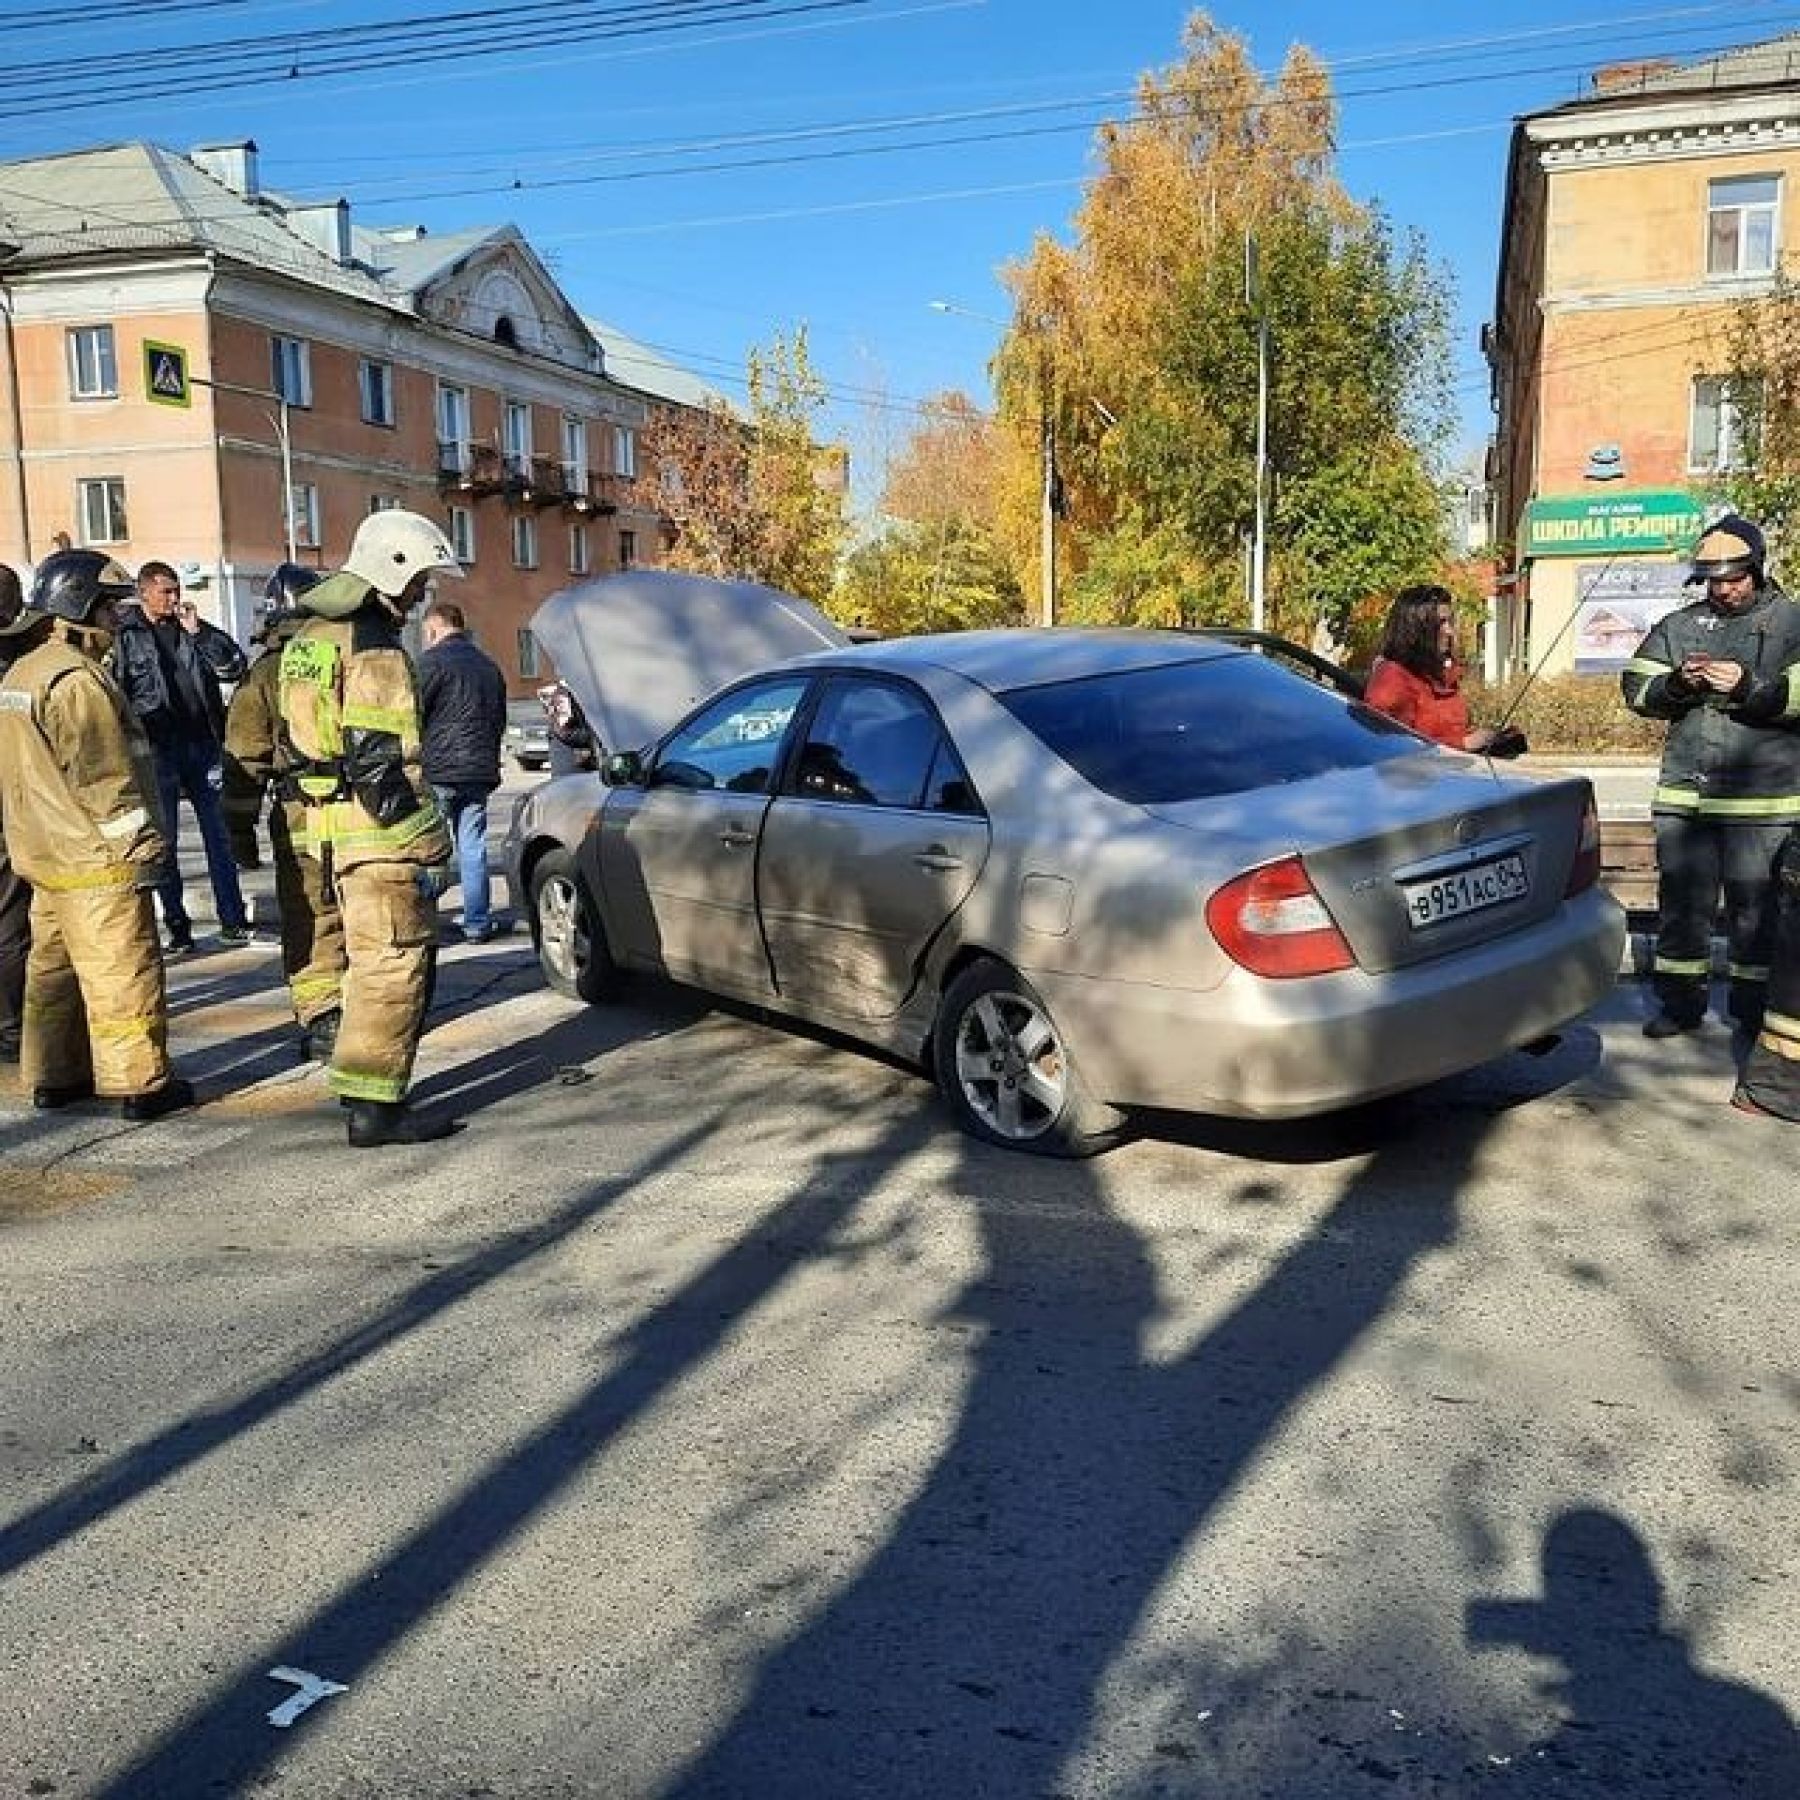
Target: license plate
1468 890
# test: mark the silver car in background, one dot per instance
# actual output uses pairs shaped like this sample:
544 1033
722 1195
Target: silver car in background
1072 872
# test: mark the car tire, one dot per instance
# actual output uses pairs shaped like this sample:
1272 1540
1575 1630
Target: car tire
565 924
1008 1076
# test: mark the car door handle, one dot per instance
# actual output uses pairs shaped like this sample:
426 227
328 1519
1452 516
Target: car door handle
940 862
735 837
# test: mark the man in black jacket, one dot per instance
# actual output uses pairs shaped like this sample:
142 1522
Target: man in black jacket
170 663
462 697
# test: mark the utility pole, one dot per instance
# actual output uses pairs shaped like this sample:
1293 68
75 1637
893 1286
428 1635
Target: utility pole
1259 543
279 420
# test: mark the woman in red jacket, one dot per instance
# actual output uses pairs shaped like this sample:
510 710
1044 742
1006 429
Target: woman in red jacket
1416 679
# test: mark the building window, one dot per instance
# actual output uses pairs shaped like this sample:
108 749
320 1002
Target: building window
384 503
528 656
578 550
625 453
574 454
377 379
100 505
93 363
290 369
524 541
1717 435
303 502
462 533
517 427
455 452
1740 225
627 549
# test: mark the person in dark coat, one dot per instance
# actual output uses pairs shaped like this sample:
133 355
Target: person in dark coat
462 698
15 891
170 662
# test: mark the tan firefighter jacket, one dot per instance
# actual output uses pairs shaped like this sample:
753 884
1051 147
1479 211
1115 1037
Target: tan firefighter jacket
77 786
253 735
349 705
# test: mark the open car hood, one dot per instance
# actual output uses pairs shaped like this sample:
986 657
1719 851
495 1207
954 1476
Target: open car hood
639 649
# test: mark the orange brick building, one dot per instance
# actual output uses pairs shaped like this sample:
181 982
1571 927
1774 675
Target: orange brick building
177 340
1637 221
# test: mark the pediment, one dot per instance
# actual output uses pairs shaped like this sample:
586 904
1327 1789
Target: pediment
501 291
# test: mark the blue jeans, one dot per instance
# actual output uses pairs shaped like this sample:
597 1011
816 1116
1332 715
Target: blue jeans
193 769
465 810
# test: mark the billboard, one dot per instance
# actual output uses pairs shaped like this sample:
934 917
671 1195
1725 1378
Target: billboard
1617 603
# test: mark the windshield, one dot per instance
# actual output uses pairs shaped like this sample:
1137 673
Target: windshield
1192 730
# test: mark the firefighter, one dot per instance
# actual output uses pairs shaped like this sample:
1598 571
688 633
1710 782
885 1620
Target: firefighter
349 745
1729 786
78 792
15 894
312 928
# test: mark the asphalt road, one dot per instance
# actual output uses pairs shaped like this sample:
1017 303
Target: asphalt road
710 1419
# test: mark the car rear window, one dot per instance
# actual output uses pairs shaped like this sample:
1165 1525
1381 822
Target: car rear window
1192 730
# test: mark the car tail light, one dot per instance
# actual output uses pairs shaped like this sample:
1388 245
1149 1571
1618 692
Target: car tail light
1271 921
1586 869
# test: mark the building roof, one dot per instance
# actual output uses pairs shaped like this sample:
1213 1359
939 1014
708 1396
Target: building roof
638 366
1773 63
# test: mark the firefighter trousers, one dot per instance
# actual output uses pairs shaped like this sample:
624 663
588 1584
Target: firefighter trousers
15 945
1696 859
390 933
1772 1072
312 926
95 1006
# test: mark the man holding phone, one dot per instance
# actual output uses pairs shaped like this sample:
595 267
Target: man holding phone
1729 786
170 663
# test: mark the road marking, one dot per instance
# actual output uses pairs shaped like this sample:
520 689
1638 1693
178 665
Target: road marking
313 1689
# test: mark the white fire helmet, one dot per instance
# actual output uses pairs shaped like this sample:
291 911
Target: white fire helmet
391 547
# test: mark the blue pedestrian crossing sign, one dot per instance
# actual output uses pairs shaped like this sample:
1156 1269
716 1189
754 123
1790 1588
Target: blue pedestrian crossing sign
166 374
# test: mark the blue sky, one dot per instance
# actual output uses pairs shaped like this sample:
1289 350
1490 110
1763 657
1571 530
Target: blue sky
608 142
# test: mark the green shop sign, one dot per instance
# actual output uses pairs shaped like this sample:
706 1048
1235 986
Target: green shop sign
1659 520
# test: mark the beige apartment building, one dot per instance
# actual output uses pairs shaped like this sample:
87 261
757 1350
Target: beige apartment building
182 348
1637 221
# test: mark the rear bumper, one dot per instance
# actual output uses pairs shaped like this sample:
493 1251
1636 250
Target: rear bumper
1252 1048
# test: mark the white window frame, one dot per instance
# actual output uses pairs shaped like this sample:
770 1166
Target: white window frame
1745 213
579 563
290 368
528 655
303 507
93 363
375 382
524 541
516 439
100 506
625 452
453 424
1715 427
380 503
462 533
574 453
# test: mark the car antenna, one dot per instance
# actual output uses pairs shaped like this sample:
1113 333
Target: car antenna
1537 668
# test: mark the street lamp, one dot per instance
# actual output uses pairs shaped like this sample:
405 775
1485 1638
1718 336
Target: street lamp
1258 548
1048 498
279 420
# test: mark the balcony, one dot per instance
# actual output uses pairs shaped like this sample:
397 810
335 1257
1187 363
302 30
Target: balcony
588 493
470 468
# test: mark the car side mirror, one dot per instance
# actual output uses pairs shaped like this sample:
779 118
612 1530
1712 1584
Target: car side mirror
624 768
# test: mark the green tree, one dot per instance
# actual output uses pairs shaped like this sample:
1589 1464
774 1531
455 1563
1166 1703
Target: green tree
1763 376
1141 338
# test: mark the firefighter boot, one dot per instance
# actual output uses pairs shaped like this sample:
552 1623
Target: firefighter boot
318 1038
172 1096
377 1122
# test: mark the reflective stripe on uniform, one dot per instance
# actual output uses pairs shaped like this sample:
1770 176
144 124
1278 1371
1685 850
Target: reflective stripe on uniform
118 875
1784 1029
120 1031
1642 665
355 1084
126 824
1682 965
396 720
1775 809
332 825
1746 972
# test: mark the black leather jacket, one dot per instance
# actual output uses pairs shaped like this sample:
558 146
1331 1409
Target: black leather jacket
145 661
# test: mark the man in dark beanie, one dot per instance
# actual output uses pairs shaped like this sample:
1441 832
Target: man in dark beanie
15 895
1729 786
